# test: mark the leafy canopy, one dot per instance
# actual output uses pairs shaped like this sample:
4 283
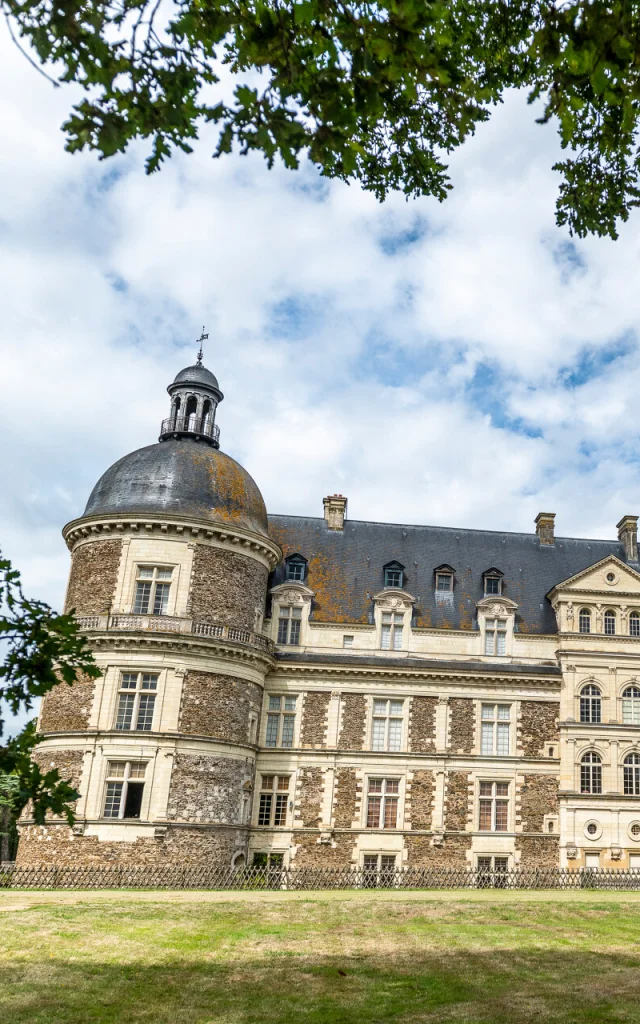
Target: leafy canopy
374 92
41 649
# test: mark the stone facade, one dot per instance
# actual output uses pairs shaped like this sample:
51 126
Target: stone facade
538 851
347 791
457 801
461 728
93 577
354 712
68 763
313 732
451 852
538 726
206 788
311 783
421 798
538 797
218 705
227 587
422 724
67 708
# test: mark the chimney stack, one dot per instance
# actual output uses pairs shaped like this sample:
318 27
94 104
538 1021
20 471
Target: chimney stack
335 511
628 536
545 528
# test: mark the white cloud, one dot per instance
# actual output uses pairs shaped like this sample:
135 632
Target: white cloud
415 356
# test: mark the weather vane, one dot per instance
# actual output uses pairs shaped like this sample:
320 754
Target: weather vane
203 337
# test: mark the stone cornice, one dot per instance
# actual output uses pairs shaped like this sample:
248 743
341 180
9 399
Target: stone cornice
194 530
204 646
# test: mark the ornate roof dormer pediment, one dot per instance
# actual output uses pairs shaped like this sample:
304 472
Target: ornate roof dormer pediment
392 598
497 604
608 577
292 592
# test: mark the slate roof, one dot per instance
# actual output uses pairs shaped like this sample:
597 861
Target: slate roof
345 568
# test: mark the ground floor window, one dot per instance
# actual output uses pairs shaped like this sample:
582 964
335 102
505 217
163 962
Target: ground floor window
378 869
492 871
274 796
125 789
274 861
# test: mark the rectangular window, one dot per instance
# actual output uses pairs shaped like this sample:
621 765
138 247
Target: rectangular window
281 720
391 636
153 586
444 582
136 701
495 729
386 731
125 788
274 797
289 625
347 641
492 585
495 637
494 807
378 869
382 803
393 577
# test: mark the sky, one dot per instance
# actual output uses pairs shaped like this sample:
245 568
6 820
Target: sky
465 364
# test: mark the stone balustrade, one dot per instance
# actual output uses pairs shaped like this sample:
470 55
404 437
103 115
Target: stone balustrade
174 624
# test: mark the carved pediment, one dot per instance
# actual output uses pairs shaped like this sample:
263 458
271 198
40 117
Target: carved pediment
392 598
607 578
497 604
292 592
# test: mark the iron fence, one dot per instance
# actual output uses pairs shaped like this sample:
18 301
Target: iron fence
174 876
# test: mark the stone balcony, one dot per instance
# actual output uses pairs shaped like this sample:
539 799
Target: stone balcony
174 624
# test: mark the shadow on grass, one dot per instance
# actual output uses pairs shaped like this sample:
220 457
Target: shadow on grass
509 987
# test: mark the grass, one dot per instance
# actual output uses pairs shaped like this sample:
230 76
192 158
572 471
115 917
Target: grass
319 961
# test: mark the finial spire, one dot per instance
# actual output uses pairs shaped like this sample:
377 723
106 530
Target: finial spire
203 337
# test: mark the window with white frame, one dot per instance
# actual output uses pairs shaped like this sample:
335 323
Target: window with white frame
281 720
631 705
631 770
493 807
610 622
347 641
590 704
382 803
495 636
391 634
153 586
124 789
386 727
289 620
136 701
495 729
378 869
444 582
591 773
487 862
274 797
584 621
634 624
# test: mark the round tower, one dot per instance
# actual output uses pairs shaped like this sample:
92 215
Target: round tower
169 570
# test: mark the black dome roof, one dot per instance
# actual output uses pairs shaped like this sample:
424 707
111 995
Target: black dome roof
197 374
181 477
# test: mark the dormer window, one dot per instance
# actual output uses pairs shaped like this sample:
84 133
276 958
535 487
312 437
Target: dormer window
296 568
394 575
444 579
492 582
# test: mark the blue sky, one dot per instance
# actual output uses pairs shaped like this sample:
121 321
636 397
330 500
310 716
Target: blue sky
464 363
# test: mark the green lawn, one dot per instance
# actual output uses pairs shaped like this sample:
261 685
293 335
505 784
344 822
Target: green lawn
320 961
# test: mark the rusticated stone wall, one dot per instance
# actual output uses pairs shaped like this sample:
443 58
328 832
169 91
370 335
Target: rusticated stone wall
68 763
314 719
67 708
354 711
457 801
309 853
94 574
309 809
207 788
538 851
422 724
450 853
461 725
538 726
218 705
346 793
226 587
421 799
538 796
56 844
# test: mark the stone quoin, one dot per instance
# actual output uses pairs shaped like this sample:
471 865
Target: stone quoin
321 691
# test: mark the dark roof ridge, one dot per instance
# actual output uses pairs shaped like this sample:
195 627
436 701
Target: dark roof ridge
450 529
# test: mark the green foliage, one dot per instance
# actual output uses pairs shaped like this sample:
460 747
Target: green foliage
40 648
8 832
374 92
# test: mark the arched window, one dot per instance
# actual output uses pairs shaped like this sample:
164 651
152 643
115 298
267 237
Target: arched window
190 413
584 620
176 412
206 417
610 622
591 773
634 624
590 704
631 769
631 705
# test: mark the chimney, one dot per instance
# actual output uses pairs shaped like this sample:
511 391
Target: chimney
628 536
335 510
545 528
